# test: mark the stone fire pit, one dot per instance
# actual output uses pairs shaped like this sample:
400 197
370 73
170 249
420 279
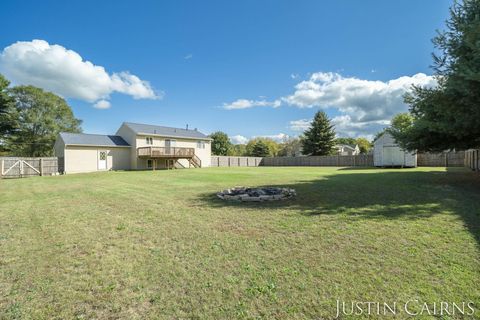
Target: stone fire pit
256 194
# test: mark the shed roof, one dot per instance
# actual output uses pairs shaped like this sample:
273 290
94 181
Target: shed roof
85 139
139 128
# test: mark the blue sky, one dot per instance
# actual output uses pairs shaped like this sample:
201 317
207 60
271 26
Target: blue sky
249 68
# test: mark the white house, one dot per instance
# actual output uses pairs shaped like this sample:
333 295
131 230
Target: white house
134 147
387 153
347 150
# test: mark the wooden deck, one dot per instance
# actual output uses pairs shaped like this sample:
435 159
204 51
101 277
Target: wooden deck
165 152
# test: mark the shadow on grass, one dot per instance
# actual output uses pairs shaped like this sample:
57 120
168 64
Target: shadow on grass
390 194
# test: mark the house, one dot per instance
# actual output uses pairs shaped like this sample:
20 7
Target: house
134 147
387 153
347 150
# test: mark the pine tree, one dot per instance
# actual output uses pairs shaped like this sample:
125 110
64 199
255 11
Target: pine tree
320 138
446 117
260 149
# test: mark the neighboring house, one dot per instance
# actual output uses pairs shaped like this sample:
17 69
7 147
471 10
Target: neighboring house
387 153
134 147
347 150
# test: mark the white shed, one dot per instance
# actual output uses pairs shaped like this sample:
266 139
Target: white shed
387 153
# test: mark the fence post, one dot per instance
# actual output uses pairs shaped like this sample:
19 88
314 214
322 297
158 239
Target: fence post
41 167
3 167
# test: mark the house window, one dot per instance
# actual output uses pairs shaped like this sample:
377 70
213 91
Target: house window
200 144
149 163
170 143
149 140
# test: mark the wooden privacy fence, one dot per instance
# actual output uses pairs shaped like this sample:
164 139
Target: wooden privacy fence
362 160
442 159
472 159
229 161
19 167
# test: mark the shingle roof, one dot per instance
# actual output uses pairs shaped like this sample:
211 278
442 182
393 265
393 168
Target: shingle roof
93 139
165 131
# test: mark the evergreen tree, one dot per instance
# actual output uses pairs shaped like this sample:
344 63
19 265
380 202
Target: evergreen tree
446 117
320 138
260 149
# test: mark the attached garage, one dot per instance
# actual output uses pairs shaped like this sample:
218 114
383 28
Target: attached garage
92 152
387 153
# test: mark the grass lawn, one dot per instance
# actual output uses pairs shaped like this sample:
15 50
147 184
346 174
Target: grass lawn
135 245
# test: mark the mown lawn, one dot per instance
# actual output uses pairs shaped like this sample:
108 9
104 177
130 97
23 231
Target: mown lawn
136 245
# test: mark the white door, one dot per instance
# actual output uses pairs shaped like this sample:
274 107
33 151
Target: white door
392 156
102 160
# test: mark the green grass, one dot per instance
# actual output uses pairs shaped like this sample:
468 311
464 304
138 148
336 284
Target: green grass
137 245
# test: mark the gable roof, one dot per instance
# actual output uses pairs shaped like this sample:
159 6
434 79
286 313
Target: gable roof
347 146
85 139
139 128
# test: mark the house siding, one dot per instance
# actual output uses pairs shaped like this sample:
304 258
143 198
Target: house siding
85 159
203 154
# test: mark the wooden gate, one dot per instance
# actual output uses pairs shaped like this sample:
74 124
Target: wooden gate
11 167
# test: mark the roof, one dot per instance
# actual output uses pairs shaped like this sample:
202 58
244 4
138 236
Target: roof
352 147
139 128
93 140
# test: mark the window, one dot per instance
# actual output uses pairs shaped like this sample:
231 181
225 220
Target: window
149 163
103 155
200 144
170 143
149 140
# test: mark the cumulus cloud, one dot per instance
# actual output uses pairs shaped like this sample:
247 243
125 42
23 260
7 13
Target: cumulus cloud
245 104
102 104
277 137
65 72
362 100
238 139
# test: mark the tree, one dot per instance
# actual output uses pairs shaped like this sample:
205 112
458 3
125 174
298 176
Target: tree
238 150
41 116
7 111
260 149
273 147
291 147
221 144
446 117
400 125
320 138
363 144
350 141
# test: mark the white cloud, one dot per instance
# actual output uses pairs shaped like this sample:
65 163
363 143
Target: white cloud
238 139
102 104
188 56
346 127
245 104
362 100
300 125
64 72
277 137
294 75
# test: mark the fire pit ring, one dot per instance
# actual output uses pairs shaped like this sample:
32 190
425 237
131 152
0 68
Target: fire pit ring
246 194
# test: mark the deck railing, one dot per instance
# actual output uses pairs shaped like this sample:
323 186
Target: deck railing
165 152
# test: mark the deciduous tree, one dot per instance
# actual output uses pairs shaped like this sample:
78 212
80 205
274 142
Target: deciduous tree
221 144
41 116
